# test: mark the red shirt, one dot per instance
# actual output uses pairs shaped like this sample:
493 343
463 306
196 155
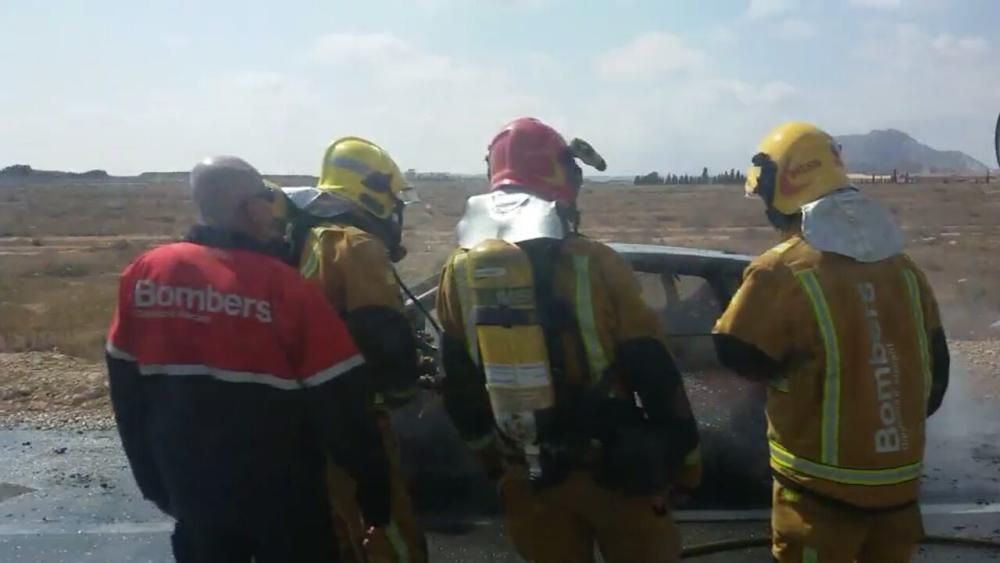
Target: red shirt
239 316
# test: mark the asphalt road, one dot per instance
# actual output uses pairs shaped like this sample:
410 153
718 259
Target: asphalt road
68 497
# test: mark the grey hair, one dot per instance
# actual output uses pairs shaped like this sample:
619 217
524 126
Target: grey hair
219 184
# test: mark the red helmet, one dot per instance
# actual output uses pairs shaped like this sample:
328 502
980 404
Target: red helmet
530 154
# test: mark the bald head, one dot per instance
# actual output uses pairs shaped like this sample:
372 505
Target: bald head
220 185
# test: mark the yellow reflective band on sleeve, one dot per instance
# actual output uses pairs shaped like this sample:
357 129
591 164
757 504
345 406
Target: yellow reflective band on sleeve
313 254
830 439
585 317
913 290
397 542
311 265
782 458
783 247
460 275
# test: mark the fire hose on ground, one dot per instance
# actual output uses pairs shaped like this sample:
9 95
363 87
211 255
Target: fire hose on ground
711 548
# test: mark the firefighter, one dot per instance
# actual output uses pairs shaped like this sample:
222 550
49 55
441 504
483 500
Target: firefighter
232 379
556 372
845 328
345 236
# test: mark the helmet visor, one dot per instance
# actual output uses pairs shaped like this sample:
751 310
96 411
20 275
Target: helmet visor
408 195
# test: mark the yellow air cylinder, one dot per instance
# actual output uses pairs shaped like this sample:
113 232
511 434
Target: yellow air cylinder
511 340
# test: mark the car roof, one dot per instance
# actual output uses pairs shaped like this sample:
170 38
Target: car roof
646 258
654 258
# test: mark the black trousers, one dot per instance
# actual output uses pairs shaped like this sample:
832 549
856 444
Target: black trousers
212 544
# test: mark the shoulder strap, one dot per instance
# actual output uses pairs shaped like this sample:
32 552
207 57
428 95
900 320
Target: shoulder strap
301 225
555 315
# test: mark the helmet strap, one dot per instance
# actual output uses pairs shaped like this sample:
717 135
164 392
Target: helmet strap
394 232
569 213
782 221
573 172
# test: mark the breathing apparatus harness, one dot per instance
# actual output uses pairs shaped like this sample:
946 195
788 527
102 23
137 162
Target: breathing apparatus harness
583 425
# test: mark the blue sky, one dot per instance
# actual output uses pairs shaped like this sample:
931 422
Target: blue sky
131 85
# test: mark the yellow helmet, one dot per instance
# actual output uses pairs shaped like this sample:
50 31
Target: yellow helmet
364 173
795 164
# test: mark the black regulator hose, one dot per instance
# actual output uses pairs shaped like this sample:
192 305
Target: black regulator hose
420 306
710 548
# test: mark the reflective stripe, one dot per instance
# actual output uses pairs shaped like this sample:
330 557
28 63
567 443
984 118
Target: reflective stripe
332 372
585 318
233 376
913 290
117 353
229 376
311 265
865 477
460 275
783 247
395 538
830 437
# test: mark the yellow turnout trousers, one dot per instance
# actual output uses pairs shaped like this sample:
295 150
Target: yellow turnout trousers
405 536
807 530
562 524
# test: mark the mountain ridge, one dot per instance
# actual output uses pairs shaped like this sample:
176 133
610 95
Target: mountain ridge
882 151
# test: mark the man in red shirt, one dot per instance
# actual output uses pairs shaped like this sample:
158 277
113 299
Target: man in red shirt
232 380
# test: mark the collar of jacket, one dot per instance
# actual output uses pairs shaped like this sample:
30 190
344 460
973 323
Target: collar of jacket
219 238
847 222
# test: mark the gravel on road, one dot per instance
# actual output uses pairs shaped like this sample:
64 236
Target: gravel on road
48 390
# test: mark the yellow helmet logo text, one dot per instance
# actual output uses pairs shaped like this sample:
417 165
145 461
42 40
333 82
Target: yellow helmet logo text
808 166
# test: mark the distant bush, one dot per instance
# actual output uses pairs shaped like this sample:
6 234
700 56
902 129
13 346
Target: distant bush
65 270
23 170
16 170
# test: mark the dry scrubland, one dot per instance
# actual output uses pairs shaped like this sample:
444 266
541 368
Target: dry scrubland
61 247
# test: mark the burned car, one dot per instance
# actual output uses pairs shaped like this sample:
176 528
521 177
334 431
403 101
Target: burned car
689 289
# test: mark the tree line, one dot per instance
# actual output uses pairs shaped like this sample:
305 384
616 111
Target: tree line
24 170
732 176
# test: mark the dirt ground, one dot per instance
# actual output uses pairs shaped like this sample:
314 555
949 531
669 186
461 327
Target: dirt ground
61 248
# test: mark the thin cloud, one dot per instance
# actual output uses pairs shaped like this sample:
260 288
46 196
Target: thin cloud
878 4
793 28
766 8
648 56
